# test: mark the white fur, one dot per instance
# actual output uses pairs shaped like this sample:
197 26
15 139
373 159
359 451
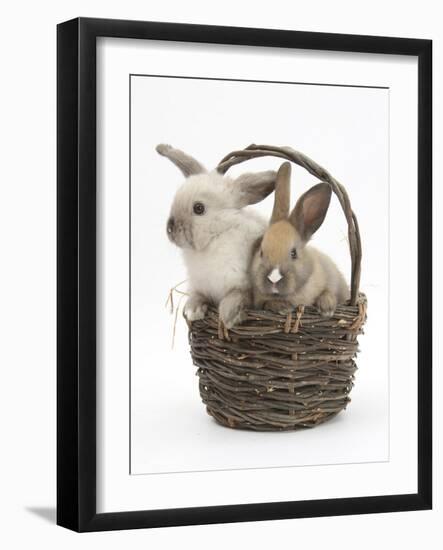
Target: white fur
223 264
275 275
217 244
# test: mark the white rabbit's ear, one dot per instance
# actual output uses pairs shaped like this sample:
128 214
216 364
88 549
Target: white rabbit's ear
310 210
251 188
187 164
282 193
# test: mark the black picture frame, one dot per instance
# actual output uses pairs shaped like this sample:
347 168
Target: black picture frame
76 273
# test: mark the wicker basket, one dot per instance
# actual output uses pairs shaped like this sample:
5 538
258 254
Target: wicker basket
274 373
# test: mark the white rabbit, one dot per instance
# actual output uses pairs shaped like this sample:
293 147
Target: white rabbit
209 223
284 271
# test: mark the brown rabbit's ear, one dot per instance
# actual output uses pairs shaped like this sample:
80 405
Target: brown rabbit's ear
282 193
310 210
187 164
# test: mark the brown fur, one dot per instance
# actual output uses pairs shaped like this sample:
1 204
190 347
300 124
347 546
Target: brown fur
282 193
308 277
277 241
310 210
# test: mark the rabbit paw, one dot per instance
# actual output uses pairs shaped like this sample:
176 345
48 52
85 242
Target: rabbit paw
195 308
278 306
232 308
326 304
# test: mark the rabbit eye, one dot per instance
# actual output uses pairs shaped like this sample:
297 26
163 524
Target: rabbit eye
293 253
199 208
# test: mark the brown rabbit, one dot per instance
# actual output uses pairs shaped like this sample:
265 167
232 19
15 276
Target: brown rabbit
285 271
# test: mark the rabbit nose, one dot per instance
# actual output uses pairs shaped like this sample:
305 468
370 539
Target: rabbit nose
170 226
275 276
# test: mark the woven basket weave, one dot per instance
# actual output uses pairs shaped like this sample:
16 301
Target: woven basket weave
274 372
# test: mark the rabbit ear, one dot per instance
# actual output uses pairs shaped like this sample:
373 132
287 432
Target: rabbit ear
310 210
251 188
188 165
282 193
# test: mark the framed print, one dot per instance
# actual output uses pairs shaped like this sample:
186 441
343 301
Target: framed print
244 274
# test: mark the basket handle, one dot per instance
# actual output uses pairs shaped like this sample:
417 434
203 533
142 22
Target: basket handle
287 153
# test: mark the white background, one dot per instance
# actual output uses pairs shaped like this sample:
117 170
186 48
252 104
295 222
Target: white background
27 218
116 489
345 129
